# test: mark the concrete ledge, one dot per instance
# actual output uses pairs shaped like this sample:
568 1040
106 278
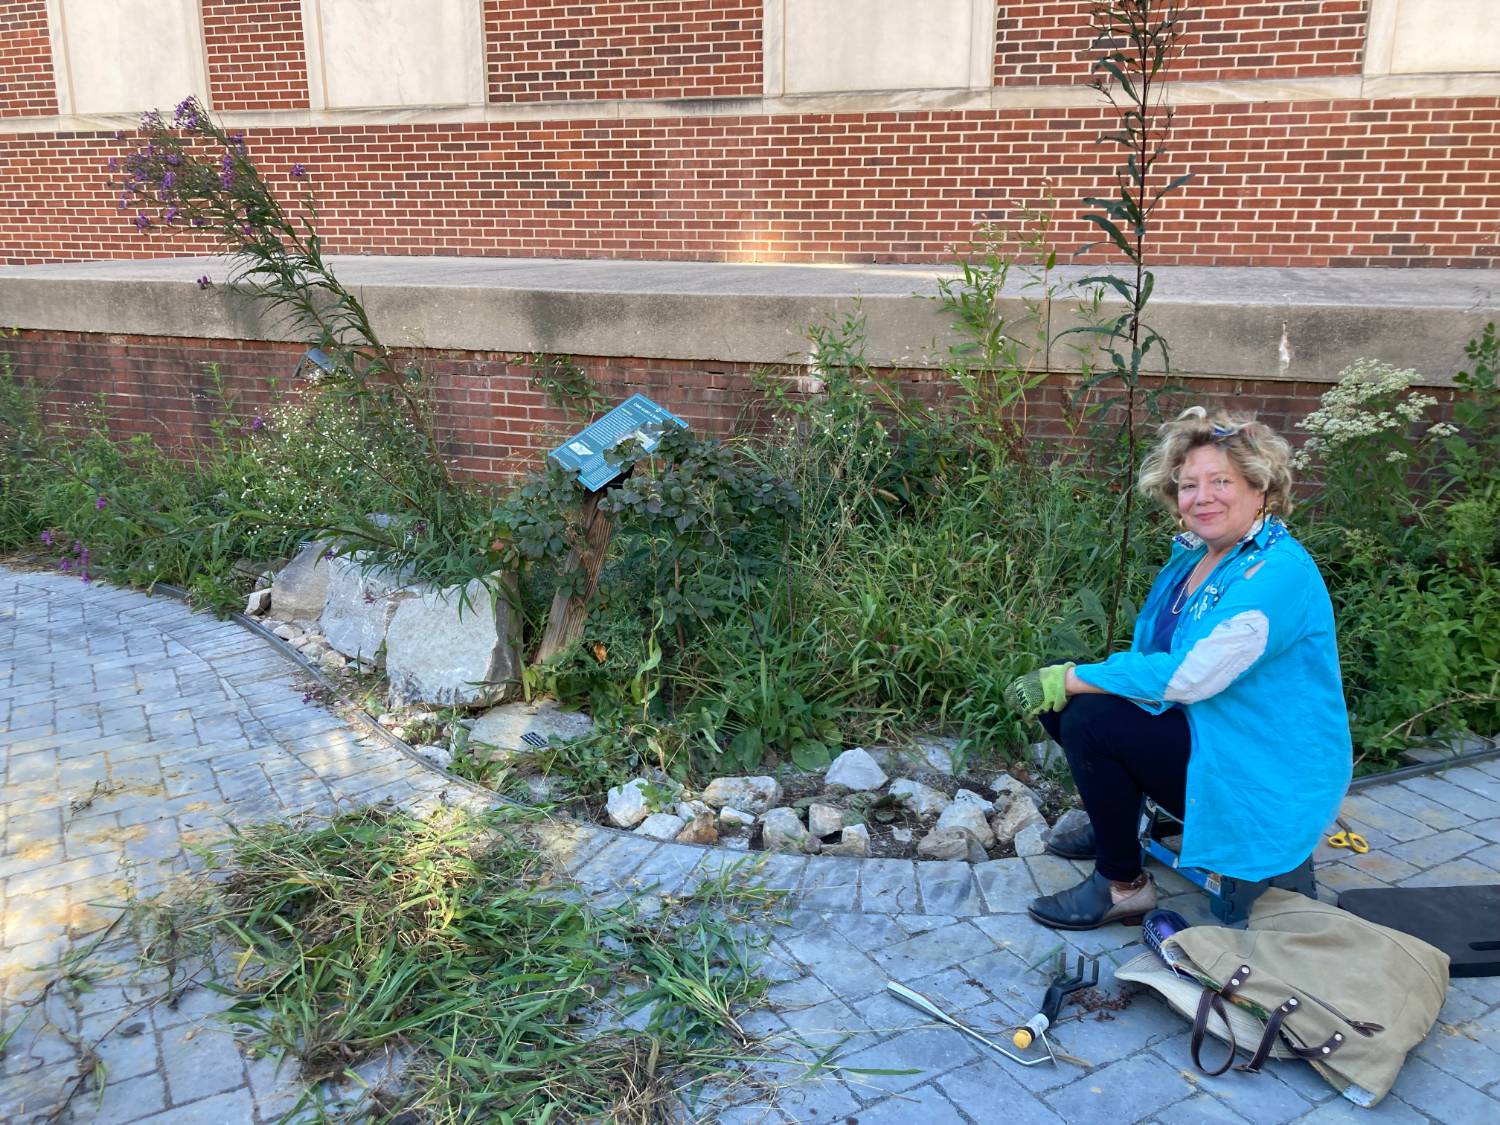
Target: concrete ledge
1223 322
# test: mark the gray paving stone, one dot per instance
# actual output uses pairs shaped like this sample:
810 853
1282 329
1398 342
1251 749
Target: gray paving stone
220 1109
831 883
1437 848
1129 1090
987 1090
1006 884
1456 872
932 951
925 1103
949 888
1340 1111
888 886
910 1058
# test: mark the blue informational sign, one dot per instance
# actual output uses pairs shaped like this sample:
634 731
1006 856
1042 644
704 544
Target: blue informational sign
637 417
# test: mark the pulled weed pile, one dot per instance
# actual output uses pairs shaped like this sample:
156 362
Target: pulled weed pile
442 943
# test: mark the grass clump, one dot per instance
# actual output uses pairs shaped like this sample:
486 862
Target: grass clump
450 942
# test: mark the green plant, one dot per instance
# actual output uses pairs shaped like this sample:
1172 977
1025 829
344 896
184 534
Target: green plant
1139 40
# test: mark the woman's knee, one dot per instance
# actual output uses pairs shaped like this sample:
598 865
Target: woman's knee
1088 719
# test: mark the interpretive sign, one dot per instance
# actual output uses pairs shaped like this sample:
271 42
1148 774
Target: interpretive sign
637 417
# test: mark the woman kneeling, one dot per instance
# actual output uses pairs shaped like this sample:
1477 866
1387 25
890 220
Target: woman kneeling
1228 709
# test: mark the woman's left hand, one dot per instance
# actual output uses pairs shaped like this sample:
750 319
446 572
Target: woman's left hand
1044 689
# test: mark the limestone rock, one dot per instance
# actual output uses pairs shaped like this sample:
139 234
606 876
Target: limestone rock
1048 755
854 840
287 631
754 794
921 799
969 816
1031 839
945 843
440 650
437 755
731 818
691 810
1007 787
359 608
258 603
504 727
782 830
661 826
901 834
300 588
969 797
1017 815
735 843
625 804
331 661
824 820
938 754
699 830
856 771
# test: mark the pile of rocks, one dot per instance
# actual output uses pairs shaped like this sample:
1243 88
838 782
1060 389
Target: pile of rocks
737 811
452 646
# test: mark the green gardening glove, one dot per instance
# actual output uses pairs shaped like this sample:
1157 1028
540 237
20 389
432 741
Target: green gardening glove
1045 689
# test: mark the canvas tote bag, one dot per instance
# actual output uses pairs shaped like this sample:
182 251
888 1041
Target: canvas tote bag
1347 995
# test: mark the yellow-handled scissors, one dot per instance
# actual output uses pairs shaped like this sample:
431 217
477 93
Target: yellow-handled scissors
1346 837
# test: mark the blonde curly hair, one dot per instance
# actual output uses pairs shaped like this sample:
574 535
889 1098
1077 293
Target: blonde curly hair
1262 456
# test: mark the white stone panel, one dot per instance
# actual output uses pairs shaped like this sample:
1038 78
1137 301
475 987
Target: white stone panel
123 56
1433 37
382 53
845 46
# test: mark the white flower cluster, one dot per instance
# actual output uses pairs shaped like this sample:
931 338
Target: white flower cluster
1367 401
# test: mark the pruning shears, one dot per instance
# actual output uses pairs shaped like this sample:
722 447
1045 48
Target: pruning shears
1346 837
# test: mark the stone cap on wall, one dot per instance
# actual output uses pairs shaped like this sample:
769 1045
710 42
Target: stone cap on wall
1228 322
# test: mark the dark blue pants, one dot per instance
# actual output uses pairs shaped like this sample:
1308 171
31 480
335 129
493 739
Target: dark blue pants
1119 753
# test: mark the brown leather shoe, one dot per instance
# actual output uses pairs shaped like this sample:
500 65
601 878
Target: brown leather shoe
1089 905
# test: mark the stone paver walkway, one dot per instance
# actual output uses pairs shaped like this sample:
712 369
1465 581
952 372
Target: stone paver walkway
130 727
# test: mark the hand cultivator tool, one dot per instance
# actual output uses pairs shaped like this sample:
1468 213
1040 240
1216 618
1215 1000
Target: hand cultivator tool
923 1004
1063 985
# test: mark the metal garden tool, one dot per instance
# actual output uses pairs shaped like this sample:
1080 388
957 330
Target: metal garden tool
924 1004
1063 985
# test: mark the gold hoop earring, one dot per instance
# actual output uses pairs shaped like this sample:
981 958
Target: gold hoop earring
1181 524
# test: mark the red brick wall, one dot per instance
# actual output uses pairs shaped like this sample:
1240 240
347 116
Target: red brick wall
1352 183
1051 42
255 54
27 86
559 50
496 423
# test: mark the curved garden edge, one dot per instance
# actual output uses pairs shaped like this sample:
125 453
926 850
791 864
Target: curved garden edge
1489 748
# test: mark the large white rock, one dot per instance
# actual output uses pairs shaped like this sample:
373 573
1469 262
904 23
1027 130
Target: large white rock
257 603
438 649
1021 811
437 755
824 820
939 754
753 794
1007 787
948 843
661 826
921 799
1031 840
783 831
505 726
856 771
359 608
971 817
731 818
854 840
300 589
626 805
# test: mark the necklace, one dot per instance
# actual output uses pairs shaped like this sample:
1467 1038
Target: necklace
1187 586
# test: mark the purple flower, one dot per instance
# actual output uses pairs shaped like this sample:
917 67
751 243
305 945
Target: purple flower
170 214
151 120
114 163
124 200
238 141
257 424
141 221
308 697
86 578
198 221
186 116
203 282
119 134
83 557
167 181
245 229
65 565
298 172
100 503
47 538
